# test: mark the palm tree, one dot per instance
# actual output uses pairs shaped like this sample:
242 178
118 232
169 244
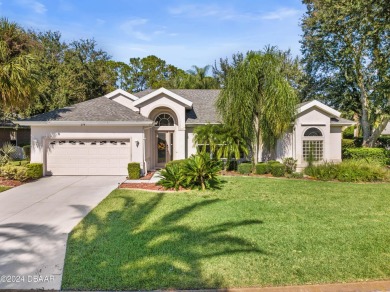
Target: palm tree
257 100
207 135
18 71
198 78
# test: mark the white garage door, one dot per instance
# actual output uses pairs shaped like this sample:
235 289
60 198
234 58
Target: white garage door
88 157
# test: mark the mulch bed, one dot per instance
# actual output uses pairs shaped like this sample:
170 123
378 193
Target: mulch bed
9 182
147 187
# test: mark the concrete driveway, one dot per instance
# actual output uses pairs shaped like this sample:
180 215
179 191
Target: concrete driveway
35 220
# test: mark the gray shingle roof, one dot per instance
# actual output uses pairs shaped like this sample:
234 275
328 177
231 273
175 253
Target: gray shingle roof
99 109
338 120
203 104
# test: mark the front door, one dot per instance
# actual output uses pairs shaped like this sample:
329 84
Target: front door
164 148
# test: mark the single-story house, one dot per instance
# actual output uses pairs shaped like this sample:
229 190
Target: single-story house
14 134
102 135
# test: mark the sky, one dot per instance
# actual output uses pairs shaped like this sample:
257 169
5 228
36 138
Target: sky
181 32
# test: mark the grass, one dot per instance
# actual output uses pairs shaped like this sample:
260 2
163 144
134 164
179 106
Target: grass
4 188
252 232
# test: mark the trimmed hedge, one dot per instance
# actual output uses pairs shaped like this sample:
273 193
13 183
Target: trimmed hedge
244 168
19 162
14 172
369 154
134 170
277 169
34 170
262 168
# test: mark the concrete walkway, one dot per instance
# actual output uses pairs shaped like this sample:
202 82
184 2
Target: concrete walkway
155 178
35 220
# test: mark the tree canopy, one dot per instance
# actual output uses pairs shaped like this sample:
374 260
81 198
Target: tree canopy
257 99
346 49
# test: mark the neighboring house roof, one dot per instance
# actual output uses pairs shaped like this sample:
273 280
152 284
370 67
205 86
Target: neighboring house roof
203 109
99 110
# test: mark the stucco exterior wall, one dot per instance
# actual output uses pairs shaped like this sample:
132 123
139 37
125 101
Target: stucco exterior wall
41 134
190 148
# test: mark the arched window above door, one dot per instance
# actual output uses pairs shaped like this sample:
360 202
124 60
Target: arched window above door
164 119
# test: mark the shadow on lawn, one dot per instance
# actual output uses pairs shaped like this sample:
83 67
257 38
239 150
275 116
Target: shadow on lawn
129 252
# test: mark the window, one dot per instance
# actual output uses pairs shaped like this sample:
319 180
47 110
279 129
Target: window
313 132
315 148
164 120
313 145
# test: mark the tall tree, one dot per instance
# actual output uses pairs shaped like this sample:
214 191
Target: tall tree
257 99
18 67
198 79
346 48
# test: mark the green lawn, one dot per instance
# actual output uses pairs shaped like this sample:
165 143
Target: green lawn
4 188
252 232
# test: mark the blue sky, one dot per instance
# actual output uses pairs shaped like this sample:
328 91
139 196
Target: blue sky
184 33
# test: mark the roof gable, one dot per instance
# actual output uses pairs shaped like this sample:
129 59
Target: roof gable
121 92
187 104
315 103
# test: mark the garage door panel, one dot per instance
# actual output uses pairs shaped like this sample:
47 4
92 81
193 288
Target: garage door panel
88 157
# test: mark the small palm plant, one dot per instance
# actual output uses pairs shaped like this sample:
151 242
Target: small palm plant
171 177
6 152
200 170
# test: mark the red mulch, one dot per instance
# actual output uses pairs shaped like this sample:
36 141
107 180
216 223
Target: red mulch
147 187
9 182
148 176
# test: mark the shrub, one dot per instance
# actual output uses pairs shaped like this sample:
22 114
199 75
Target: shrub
270 163
362 171
233 165
27 151
277 169
290 164
134 170
19 162
34 170
326 171
295 175
261 168
245 168
6 152
14 172
179 162
369 154
350 171
201 171
171 177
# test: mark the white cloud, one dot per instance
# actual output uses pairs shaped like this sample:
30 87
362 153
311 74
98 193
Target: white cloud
100 21
281 14
36 6
132 28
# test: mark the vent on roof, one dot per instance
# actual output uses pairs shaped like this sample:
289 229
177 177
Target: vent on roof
334 120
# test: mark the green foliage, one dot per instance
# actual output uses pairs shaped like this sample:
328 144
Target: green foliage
18 67
245 168
346 55
348 133
133 170
258 92
26 151
290 164
201 171
172 176
369 154
179 162
349 171
6 152
277 170
325 171
34 170
297 175
19 162
14 172
221 141
262 168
